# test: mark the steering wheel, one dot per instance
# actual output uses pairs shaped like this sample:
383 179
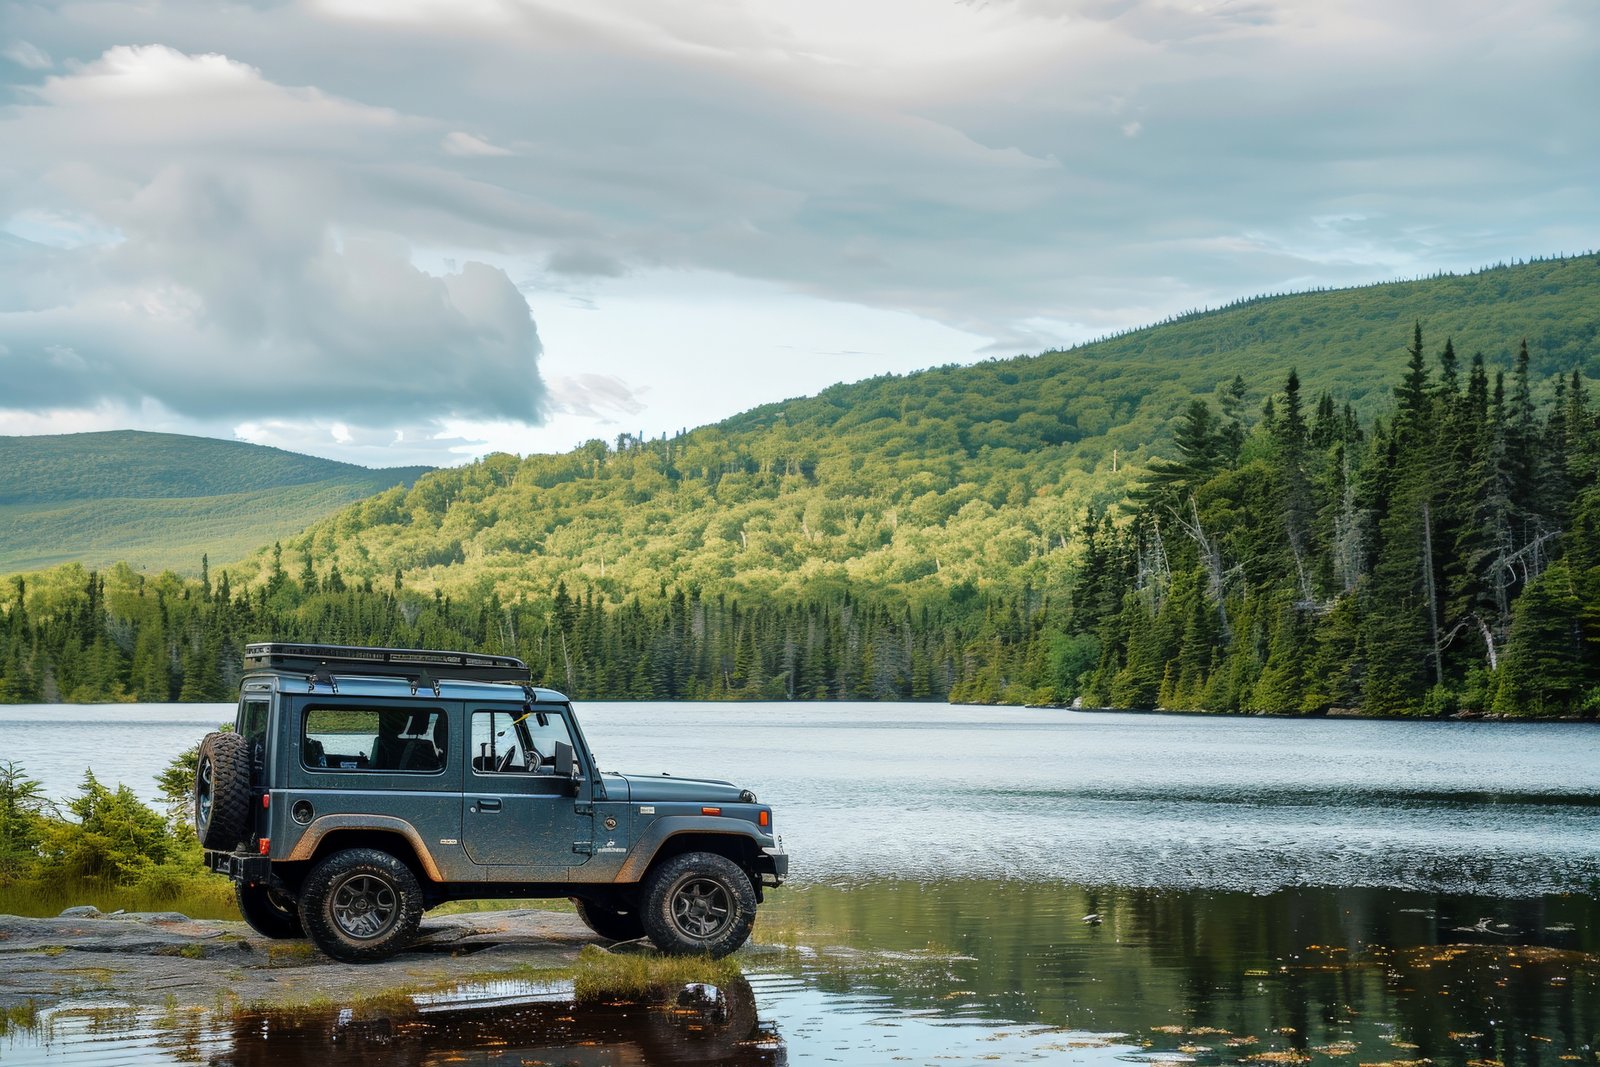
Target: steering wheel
505 761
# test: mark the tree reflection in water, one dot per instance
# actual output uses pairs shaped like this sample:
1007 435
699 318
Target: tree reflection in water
1378 975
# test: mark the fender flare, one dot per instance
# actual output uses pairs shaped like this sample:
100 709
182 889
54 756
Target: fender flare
327 824
669 826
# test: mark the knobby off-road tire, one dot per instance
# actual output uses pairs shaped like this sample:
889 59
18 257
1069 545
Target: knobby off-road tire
613 924
268 912
698 903
222 791
361 905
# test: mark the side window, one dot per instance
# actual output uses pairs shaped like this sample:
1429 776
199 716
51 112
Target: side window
374 739
253 728
507 741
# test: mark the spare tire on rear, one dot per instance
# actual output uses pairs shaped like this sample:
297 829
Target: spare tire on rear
222 790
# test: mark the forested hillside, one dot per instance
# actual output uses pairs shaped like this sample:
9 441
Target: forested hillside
1192 516
162 501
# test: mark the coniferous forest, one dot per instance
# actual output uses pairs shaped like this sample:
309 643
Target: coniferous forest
1285 557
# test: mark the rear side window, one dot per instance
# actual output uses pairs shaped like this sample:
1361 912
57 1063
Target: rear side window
392 740
253 728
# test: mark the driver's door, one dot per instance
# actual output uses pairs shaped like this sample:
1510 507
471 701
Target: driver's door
518 818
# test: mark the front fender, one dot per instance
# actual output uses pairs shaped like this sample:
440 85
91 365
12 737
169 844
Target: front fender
668 826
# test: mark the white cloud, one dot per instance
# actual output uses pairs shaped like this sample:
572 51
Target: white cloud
245 275
457 143
28 56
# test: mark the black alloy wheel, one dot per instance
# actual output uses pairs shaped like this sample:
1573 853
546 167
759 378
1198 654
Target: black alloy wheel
361 905
699 903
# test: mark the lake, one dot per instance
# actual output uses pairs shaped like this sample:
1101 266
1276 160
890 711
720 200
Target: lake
1264 890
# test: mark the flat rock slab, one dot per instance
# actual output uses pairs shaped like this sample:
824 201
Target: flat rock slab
163 959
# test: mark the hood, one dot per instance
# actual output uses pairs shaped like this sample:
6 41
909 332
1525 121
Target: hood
665 789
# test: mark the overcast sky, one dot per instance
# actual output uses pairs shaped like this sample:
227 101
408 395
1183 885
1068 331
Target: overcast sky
399 231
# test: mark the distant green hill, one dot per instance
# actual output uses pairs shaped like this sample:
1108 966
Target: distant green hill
933 484
160 501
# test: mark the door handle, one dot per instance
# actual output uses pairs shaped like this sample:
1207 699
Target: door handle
486 805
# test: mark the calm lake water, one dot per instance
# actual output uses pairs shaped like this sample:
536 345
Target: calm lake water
1266 891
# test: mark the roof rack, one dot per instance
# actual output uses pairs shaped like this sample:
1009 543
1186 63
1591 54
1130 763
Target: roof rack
418 665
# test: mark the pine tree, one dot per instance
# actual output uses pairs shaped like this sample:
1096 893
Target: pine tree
1543 664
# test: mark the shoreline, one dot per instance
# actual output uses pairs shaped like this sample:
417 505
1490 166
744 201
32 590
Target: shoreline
1343 714
167 960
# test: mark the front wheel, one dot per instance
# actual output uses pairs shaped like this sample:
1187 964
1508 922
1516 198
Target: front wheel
361 905
268 912
698 903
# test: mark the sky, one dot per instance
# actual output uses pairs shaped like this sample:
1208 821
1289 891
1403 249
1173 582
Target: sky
415 231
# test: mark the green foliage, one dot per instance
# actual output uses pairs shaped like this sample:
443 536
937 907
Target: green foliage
114 836
106 849
22 822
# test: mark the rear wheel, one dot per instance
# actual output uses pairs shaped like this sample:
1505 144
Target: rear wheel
698 903
613 924
221 790
269 912
361 905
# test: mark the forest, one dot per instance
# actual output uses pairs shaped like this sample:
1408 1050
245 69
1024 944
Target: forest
1284 557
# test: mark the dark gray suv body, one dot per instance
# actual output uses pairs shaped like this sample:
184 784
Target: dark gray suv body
362 786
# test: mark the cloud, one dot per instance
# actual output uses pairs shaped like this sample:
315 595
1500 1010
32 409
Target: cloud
596 396
584 262
241 279
28 56
457 143
1030 172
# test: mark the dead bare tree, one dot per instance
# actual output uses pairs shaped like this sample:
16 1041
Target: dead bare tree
1430 592
1155 573
1349 535
1211 559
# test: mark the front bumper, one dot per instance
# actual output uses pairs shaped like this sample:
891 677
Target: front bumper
774 866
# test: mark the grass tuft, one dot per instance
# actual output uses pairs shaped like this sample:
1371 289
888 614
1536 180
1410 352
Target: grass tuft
605 975
287 953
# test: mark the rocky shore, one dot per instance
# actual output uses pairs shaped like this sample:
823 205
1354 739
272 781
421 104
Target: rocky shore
164 959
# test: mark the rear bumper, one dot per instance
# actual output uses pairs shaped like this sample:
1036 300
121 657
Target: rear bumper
241 866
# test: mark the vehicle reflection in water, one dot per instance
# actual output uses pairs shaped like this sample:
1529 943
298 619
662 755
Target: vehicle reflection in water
704 1025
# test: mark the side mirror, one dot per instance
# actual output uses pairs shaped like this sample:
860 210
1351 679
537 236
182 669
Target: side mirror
566 764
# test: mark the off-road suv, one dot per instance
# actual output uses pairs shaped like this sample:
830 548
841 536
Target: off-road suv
362 786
